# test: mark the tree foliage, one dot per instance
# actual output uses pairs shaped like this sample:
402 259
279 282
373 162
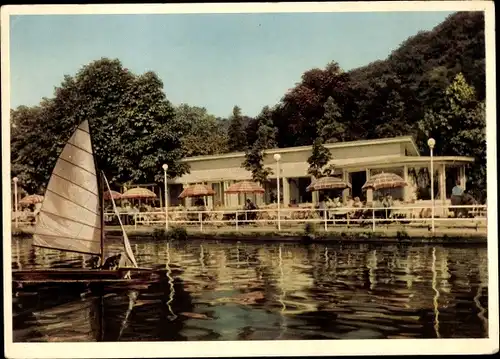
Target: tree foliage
297 114
236 132
319 158
388 97
329 129
205 136
265 139
134 130
459 128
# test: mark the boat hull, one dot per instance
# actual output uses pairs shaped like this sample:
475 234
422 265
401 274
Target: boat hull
77 275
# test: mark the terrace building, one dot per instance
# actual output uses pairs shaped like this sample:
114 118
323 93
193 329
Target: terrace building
355 161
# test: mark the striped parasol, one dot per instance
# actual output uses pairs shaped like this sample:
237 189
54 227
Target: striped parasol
138 193
112 194
245 187
31 199
328 183
385 180
197 190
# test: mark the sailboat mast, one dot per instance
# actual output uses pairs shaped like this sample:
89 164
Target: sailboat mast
101 192
100 188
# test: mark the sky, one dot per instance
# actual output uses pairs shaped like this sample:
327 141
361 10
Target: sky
214 61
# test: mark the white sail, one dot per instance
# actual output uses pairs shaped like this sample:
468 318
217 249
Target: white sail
70 217
129 258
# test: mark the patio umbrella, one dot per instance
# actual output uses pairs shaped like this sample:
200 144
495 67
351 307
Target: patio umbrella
112 194
197 190
245 187
138 193
328 183
384 181
31 199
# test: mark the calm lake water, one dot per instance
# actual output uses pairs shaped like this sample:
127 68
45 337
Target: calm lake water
243 291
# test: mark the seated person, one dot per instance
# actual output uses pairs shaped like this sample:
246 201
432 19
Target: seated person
358 212
377 207
322 207
387 203
336 203
200 203
377 203
250 206
357 203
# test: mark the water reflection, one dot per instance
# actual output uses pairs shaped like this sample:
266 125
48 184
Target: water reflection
436 297
171 284
282 296
243 291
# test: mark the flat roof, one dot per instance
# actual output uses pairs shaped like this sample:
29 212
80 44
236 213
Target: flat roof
408 140
299 169
402 160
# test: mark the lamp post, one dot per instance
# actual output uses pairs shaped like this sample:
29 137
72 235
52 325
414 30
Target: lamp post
15 179
165 168
277 158
431 143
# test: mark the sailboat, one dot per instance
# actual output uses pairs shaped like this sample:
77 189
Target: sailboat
71 219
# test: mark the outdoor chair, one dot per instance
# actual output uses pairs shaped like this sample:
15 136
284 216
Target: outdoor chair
178 216
286 214
217 216
263 218
147 218
272 216
312 214
356 213
297 215
339 214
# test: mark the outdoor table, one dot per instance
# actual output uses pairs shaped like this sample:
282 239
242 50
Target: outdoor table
341 212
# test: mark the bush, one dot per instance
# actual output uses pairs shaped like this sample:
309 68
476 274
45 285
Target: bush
402 235
309 232
173 234
366 235
309 229
159 233
177 234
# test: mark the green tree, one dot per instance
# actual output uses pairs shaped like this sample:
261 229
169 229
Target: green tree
459 128
302 106
205 136
133 126
254 155
236 132
319 158
331 127
27 145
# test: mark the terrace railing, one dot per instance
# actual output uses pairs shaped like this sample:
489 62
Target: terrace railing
473 216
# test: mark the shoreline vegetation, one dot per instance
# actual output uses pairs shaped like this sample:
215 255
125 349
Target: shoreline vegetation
307 234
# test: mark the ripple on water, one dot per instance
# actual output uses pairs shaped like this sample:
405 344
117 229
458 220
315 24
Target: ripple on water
226 291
